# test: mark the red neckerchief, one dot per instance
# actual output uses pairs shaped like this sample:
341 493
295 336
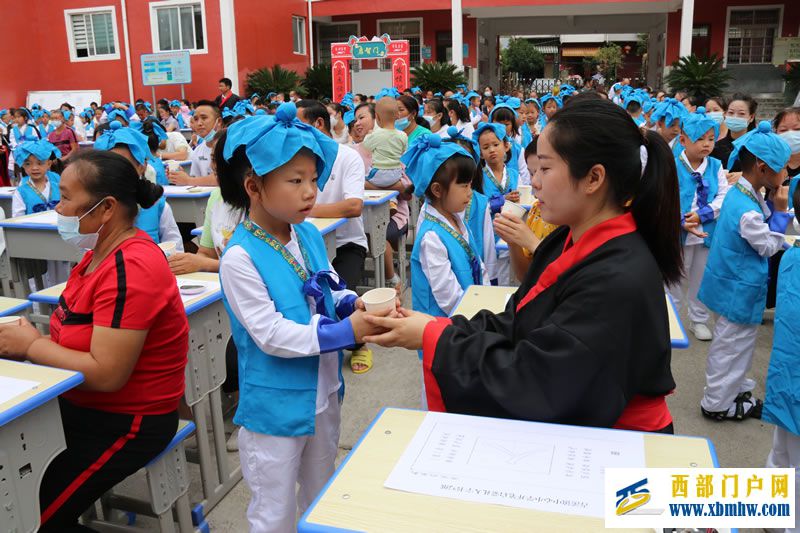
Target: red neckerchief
574 254
223 100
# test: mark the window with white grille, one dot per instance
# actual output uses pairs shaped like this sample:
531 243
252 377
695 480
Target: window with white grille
299 35
751 35
92 34
178 25
408 30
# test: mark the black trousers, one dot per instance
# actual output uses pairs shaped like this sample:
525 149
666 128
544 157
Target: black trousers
102 449
349 264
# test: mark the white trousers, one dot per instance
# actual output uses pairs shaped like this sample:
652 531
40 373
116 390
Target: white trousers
274 466
729 359
785 453
695 257
503 269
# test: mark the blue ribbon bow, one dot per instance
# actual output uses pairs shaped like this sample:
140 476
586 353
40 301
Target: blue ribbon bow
315 287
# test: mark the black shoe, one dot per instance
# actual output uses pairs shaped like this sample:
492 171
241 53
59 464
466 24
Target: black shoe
745 408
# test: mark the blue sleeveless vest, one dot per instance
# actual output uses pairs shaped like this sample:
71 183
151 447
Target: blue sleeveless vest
421 294
33 202
513 165
783 377
688 191
181 123
278 395
29 135
161 172
512 175
793 187
735 279
477 212
527 135
149 220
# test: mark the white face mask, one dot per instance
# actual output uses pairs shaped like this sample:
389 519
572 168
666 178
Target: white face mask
334 121
792 138
69 228
56 123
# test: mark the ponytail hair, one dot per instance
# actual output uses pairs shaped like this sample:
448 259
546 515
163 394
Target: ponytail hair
640 170
232 172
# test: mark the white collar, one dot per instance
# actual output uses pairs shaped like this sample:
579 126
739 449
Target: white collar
749 186
701 168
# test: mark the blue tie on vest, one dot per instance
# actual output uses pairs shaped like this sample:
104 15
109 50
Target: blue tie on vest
421 293
29 135
735 279
476 213
149 220
783 377
278 395
704 186
34 202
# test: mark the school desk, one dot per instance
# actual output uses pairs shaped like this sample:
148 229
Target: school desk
187 133
31 435
188 203
326 227
6 194
478 297
83 145
209 331
34 237
355 499
376 218
13 306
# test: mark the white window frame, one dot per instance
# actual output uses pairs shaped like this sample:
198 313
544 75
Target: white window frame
340 23
303 24
154 6
73 55
407 19
778 33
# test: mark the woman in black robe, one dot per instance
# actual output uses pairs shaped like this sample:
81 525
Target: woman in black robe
585 340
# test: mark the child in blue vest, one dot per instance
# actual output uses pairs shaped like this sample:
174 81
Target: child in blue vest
507 115
445 259
38 189
290 313
155 133
500 179
781 405
667 117
549 104
703 184
23 129
477 215
157 220
734 285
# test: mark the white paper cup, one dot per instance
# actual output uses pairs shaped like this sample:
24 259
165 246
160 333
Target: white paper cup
510 209
173 165
10 320
525 194
378 300
168 247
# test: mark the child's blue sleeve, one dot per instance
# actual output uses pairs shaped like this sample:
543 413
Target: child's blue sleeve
779 221
333 336
346 306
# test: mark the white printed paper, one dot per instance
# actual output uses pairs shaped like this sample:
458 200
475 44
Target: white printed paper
545 467
177 189
46 218
10 388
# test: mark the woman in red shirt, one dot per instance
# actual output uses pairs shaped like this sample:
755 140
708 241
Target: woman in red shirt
121 323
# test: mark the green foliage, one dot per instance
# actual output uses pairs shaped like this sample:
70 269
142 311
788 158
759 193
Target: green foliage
702 78
522 57
609 59
318 81
439 77
277 79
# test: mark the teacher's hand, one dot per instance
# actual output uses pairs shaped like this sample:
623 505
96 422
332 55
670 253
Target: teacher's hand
405 331
16 339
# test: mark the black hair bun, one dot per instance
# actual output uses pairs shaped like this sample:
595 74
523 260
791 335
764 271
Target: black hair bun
147 193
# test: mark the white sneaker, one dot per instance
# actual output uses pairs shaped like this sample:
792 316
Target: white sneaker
233 441
701 331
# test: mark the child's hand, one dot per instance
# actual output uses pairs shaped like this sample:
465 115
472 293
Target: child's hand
733 177
780 198
513 196
183 263
179 177
362 328
515 231
691 218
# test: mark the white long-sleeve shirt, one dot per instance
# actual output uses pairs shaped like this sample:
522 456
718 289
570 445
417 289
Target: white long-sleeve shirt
250 301
715 204
522 166
436 264
754 229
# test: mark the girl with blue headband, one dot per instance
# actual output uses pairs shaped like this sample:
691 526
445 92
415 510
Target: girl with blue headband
667 116
549 104
734 285
703 184
504 114
290 313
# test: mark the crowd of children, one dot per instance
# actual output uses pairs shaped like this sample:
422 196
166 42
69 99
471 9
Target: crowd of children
470 160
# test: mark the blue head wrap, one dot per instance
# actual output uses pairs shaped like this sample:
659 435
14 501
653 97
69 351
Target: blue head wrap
87 114
649 104
349 117
669 111
37 114
35 107
66 114
461 86
271 94
41 150
175 103
416 90
347 100
117 134
697 124
535 102
261 111
425 156
546 98
391 92
457 134
566 90
272 141
254 95
158 129
3 112
502 106
765 145
115 114
437 95
472 94
497 129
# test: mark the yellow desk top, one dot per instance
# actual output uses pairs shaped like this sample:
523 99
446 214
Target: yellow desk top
7 304
323 223
357 500
48 378
477 297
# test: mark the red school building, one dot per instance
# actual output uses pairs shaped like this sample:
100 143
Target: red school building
97 44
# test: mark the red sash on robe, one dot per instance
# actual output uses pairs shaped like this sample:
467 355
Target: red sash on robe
642 413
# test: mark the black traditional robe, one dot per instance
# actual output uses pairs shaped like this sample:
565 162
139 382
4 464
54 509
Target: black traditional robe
585 349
